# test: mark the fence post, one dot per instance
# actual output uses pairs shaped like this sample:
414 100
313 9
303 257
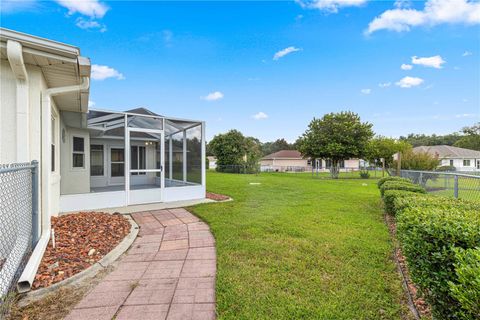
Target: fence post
34 203
455 186
420 179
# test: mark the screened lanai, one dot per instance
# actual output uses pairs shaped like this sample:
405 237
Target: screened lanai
136 155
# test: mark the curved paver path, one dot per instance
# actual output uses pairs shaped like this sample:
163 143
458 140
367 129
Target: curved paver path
168 273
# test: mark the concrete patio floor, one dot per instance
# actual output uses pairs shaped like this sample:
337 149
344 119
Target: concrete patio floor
168 273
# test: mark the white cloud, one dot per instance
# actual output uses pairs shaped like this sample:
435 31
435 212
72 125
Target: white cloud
402 4
432 62
467 53
408 82
90 24
104 72
385 84
435 12
284 52
91 103
330 6
366 91
405 66
260 116
217 95
91 8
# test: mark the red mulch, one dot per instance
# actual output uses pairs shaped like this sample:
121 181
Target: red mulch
420 304
75 236
217 197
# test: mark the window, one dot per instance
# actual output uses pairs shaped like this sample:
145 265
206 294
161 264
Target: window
342 164
137 159
478 164
117 166
96 160
466 162
451 163
52 139
78 154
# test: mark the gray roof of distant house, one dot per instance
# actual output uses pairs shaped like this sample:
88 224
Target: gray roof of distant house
443 151
284 154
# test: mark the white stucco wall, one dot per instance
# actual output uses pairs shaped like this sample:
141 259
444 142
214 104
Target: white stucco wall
74 180
458 164
32 124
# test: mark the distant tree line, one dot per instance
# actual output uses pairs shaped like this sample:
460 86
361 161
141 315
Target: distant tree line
336 137
468 137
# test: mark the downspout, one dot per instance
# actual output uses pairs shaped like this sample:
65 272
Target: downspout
15 58
26 279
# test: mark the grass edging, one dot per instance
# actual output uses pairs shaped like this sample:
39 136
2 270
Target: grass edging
88 273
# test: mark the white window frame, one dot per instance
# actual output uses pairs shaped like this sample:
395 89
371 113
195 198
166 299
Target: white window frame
117 162
469 162
78 152
103 162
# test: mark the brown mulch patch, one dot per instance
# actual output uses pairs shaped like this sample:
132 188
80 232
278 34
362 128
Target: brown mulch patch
420 304
81 239
217 197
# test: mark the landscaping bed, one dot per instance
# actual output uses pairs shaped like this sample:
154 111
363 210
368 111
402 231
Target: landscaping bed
217 197
81 239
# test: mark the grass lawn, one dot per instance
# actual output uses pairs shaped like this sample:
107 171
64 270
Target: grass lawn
294 247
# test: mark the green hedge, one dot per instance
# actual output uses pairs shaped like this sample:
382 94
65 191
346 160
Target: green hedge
390 196
430 236
467 287
400 185
391 178
430 201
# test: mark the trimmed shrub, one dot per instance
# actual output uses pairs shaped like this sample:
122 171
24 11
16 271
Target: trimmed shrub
391 178
364 174
390 196
400 185
430 236
467 287
429 201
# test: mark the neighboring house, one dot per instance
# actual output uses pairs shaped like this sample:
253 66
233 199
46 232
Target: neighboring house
89 159
460 158
212 162
292 160
285 160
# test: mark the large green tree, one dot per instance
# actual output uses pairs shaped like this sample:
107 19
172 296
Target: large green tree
384 148
470 138
336 136
234 149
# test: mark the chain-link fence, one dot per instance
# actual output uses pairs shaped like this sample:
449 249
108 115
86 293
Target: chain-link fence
450 184
18 225
242 169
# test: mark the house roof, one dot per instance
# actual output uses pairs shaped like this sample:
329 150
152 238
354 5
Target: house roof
60 63
284 154
444 151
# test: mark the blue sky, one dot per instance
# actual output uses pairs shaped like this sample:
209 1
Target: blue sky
268 68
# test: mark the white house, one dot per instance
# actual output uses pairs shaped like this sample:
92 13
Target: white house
292 160
89 159
460 158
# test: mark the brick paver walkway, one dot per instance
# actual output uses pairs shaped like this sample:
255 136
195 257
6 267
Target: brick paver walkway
168 273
